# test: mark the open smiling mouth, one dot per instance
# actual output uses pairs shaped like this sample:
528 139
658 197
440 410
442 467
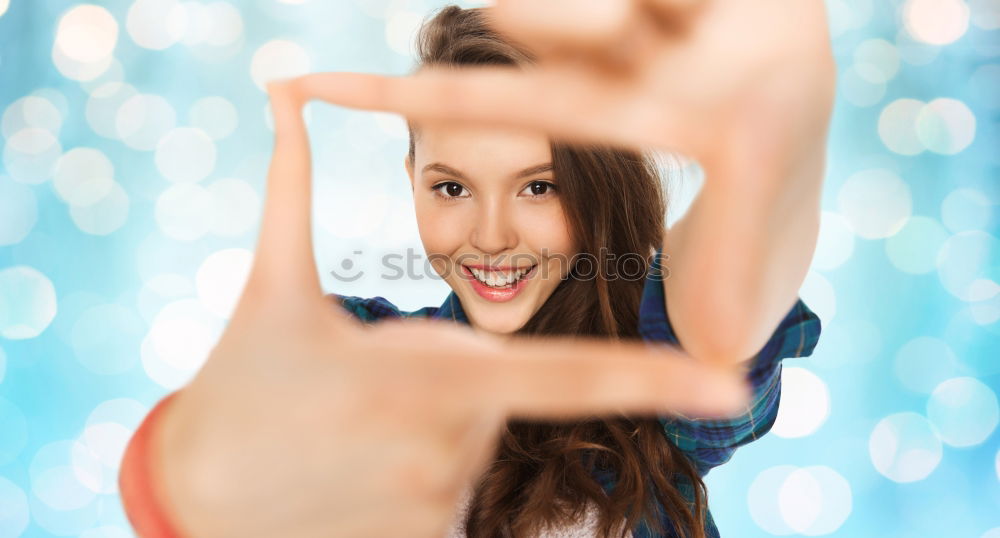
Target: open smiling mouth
499 279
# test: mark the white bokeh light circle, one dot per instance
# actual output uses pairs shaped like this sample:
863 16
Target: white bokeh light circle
105 442
78 71
87 33
876 202
214 115
818 293
881 55
4 4
915 52
143 120
946 126
805 403
15 515
14 426
102 107
27 302
964 410
179 341
30 155
226 26
31 111
904 447
836 241
160 290
61 489
105 338
115 72
185 154
400 30
279 59
156 24
985 13
236 207
762 499
897 126
859 84
995 531
924 362
83 176
914 249
847 15
185 211
815 500
220 280
18 211
938 22
966 209
965 260
104 216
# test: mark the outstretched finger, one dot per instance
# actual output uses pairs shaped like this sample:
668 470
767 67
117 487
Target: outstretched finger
563 379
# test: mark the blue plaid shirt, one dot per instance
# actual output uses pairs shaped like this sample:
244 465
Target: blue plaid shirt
706 442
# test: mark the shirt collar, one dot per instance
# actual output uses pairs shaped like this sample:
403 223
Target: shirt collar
451 309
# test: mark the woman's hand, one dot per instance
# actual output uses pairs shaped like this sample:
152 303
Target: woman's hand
303 422
714 79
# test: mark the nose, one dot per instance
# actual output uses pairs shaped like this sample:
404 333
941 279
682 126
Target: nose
494 230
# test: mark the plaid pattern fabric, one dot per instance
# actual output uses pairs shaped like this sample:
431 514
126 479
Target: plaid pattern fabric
706 442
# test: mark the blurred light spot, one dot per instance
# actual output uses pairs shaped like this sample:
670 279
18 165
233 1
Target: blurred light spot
59 488
124 411
994 532
106 339
986 311
105 442
915 52
31 111
3 365
897 126
904 447
876 202
818 293
217 24
104 216
985 14
924 362
156 24
115 72
847 15
103 105
14 517
79 71
278 59
938 22
966 209
964 410
185 154
161 289
180 339
805 403
236 207
27 302
106 531
87 33
392 124
914 249
4 4
18 211
836 241
858 88
83 176
221 278
966 258
15 432
763 499
143 120
349 209
984 82
185 211
946 126
400 31
881 56
815 500
997 465
31 154
216 116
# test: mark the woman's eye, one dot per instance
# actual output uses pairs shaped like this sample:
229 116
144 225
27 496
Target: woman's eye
451 190
540 188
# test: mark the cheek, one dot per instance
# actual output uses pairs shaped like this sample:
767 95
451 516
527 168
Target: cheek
546 228
441 229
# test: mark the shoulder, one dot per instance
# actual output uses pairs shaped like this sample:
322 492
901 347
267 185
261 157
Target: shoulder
371 309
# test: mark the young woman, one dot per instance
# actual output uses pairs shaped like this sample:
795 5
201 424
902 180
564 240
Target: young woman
541 237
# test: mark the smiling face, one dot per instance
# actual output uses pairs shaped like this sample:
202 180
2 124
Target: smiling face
487 198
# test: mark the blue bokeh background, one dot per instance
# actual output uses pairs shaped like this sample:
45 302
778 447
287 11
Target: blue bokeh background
136 138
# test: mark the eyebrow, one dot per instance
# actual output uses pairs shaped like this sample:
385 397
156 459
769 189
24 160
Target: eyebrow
445 169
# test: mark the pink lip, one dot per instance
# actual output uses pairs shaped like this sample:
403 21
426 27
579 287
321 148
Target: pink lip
498 295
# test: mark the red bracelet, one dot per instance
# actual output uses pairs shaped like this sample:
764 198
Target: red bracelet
138 481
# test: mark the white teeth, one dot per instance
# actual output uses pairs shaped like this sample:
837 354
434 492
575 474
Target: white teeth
498 279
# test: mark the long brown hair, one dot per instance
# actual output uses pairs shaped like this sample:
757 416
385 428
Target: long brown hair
614 202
